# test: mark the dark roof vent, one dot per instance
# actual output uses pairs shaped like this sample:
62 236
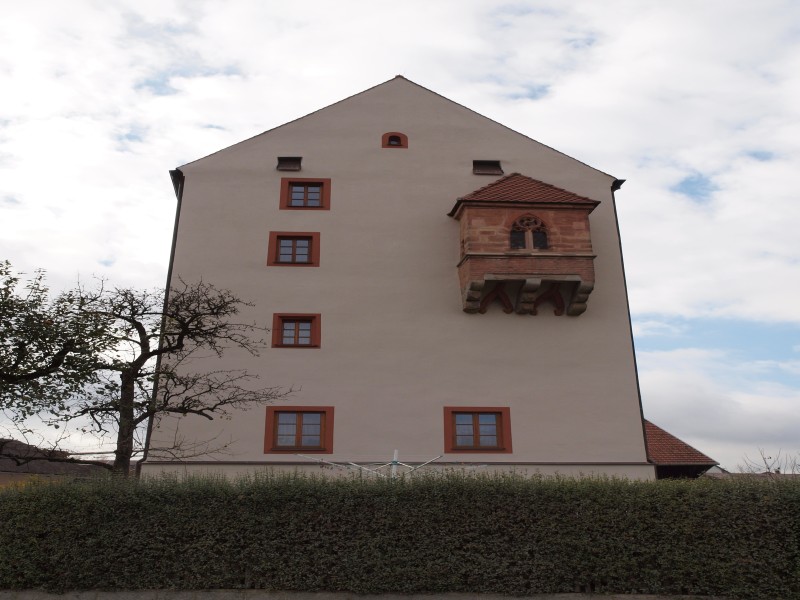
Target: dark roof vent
486 167
289 163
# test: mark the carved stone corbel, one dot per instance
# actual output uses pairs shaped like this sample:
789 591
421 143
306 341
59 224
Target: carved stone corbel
579 298
527 296
472 296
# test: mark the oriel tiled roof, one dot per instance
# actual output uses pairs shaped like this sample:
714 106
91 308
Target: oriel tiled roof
665 449
521 188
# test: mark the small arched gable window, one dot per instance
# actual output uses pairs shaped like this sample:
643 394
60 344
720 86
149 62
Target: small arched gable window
394 139
528 232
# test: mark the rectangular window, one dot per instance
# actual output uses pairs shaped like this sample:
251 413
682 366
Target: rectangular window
477 429
302 194
486 167
295 331
299 429
293 249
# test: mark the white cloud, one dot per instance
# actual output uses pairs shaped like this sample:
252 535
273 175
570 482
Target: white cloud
652 327
724 406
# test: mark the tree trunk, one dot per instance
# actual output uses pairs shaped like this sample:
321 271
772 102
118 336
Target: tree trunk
124 450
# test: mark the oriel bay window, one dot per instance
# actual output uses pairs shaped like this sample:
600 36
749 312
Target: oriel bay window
299 429
293 249
296 331
477 429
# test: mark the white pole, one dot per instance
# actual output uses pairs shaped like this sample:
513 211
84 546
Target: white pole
394 465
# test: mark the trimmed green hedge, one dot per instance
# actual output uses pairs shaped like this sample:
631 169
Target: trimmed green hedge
510 535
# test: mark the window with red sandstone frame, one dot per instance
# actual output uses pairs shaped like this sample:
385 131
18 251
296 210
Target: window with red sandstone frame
305 194
296 331
292 249
477 429
394 139
299 428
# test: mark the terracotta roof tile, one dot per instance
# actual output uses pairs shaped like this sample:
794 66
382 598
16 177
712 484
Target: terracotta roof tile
520 188
665 449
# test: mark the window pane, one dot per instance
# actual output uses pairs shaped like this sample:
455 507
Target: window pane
517 240
301 244
312 418
287 417
305 326
288 340
463 418
487 418
285 440
540 240
463 429
311 441
488 440
488 430
464 440
288 326
286 429
312 429
313 203
285 243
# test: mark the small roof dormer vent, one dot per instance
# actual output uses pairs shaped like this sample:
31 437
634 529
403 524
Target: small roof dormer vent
486 167
289 163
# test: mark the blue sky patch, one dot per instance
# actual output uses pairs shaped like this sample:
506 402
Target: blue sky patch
748 341
582 42
696 186
761 155
531 92
519 9
11 200
159 84
135 133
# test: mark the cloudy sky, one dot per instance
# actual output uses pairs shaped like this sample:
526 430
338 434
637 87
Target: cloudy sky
695 103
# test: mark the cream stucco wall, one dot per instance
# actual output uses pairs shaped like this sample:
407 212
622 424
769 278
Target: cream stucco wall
396 347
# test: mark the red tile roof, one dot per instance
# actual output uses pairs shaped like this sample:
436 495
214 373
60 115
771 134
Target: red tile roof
520 188
665 449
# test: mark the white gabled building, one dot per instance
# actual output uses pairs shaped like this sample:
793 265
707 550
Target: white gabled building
438 284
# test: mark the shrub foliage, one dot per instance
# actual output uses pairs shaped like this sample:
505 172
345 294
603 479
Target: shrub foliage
508 535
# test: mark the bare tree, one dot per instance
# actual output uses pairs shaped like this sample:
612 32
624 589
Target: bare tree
151 344
776 463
